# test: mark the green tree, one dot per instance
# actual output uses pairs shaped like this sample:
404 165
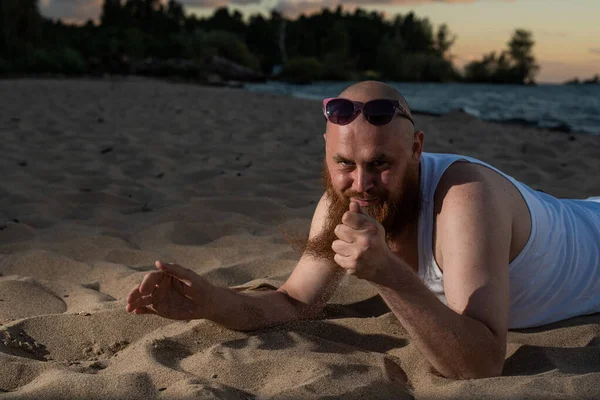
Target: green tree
366 31
520 49
176 13
20 27
112 13
331 44
417 34
336 40
336 46
388 55
302 70
229 45
482 70
444 40
515 65
222 20
262 36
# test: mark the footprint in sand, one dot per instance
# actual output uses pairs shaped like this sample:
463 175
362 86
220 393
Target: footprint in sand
84 336
20 344
98 351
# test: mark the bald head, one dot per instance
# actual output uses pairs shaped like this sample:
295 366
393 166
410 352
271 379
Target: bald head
368 90
365 91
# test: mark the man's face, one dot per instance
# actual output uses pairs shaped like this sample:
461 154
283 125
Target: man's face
377 166
365 162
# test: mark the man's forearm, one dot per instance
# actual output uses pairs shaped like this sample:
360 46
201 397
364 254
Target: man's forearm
458 347
246 311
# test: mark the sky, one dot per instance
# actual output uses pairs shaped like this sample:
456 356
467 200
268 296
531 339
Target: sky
566 32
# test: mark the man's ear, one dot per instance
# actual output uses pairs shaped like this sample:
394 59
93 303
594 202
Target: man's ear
325 136
418 141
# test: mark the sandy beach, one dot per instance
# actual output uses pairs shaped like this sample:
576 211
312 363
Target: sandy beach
100 178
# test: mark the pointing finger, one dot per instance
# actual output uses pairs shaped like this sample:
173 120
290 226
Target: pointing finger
355 207
356 220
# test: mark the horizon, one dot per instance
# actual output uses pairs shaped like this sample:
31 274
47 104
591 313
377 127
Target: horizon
564 31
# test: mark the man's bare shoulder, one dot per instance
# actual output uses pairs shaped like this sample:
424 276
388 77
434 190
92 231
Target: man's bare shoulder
463 179
472 193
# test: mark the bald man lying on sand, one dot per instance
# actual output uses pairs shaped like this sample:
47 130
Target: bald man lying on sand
459 251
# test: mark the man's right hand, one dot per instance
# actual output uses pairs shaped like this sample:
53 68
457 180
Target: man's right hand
171 292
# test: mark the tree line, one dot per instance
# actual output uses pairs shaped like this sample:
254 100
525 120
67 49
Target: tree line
147 36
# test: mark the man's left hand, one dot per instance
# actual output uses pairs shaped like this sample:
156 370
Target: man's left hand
361 248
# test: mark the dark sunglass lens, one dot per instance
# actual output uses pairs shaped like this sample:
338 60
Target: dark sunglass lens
339 111
379 112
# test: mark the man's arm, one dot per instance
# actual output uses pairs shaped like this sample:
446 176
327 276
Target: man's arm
304 294
467 338
179 293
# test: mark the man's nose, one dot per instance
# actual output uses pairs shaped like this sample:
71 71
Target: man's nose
363 180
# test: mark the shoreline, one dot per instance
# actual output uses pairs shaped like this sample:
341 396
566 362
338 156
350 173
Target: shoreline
520 122
511 122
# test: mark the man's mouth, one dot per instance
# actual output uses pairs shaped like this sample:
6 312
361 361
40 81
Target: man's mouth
365 202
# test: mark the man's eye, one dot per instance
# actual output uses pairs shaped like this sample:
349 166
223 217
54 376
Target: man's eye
379 163
345 163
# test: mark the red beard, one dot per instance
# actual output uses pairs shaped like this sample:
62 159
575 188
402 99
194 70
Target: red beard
398 210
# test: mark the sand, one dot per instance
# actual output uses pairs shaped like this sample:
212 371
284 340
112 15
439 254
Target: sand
101 178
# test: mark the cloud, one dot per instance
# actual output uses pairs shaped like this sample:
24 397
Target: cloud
71 10
82 10
560 34
595 50
217 3
294 8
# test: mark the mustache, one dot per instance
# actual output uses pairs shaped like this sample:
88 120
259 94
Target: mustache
395 209
360 195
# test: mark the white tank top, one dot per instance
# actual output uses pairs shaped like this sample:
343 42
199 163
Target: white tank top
557 274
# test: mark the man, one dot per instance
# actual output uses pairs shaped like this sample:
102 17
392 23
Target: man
459 251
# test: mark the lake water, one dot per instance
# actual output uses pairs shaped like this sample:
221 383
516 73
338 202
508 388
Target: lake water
571 108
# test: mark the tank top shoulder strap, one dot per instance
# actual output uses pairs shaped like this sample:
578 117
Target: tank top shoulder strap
433 166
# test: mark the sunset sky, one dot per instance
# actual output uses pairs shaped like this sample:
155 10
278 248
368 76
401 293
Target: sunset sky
567 32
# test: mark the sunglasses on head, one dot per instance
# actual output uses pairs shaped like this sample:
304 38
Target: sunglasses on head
378 112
